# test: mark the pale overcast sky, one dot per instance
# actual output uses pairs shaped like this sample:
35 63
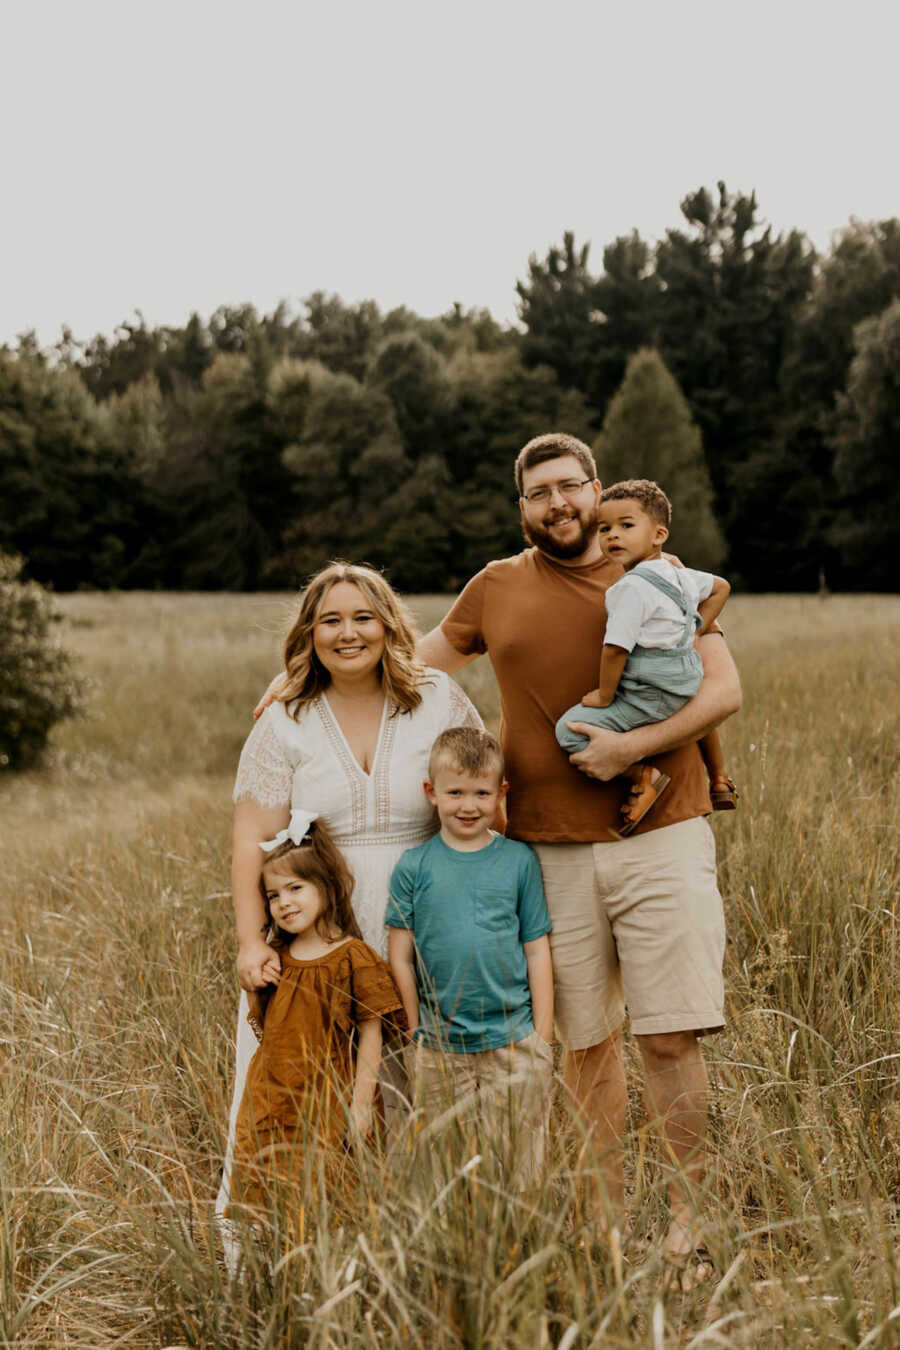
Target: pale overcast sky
176 156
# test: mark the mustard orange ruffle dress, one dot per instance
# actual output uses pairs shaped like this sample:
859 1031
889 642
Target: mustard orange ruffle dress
300 1081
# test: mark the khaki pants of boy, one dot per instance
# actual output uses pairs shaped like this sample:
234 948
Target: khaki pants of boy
505 1092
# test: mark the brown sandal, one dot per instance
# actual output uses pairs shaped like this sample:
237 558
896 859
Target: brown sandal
723 798
642 797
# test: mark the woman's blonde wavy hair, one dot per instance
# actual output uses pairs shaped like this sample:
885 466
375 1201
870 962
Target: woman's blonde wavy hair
401 673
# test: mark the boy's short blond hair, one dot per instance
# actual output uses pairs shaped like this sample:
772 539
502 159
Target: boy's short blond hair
467 749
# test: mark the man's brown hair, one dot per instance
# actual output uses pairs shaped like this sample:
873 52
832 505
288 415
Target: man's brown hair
467 749
553 445
650 495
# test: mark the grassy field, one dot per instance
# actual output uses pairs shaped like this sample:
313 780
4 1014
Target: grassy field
118 1001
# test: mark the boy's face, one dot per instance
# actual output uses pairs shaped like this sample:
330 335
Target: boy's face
466 803
628 534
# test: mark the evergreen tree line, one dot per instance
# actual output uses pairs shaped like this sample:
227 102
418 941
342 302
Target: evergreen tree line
755 380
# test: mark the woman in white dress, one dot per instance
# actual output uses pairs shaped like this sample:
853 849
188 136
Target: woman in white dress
348 738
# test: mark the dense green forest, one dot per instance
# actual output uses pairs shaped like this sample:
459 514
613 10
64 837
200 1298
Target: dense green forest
756 379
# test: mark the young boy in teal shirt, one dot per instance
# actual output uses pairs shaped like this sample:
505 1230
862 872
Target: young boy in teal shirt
469 951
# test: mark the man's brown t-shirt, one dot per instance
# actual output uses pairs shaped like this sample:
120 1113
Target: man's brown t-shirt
543 625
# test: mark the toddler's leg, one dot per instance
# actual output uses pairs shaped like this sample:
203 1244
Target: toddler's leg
628 709
596 717
713 755
722 791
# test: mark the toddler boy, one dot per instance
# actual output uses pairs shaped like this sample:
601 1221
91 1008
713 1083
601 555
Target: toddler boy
649 667
469 951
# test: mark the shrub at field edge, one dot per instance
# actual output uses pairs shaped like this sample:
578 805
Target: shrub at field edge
37 685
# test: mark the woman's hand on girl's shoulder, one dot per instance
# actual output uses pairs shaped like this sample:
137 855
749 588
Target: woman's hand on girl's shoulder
257 964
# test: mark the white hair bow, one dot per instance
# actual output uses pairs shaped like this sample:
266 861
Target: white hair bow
295 831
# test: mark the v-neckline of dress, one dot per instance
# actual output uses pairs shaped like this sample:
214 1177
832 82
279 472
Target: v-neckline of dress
332 718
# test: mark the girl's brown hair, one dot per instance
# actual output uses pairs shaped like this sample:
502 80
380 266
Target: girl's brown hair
319 860
401 673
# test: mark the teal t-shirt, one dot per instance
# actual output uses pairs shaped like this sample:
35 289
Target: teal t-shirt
470 913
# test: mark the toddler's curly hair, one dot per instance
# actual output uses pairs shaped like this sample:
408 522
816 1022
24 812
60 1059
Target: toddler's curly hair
650 495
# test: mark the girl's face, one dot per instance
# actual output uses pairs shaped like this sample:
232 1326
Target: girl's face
348 636
294 902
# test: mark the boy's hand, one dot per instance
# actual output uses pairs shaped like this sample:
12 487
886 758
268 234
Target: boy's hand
257 964
270 695
594 699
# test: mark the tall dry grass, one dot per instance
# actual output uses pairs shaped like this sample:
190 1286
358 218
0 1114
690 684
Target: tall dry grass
118 1000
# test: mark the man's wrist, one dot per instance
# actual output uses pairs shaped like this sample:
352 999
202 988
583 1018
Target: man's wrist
635 745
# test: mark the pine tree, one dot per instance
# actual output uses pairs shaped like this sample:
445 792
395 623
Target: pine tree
648 432
556 305
865 438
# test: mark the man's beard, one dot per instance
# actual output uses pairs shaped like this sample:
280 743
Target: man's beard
541 538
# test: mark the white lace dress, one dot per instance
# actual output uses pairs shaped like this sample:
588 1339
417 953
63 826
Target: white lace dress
373 816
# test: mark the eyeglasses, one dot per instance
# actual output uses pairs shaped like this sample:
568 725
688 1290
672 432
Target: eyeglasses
570 489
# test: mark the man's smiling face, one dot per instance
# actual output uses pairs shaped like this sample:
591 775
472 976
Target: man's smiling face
559 507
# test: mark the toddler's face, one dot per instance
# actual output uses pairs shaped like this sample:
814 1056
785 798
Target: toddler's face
466 803
627 533
294 902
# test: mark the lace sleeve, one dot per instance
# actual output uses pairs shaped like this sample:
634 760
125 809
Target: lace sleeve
463 713
265 774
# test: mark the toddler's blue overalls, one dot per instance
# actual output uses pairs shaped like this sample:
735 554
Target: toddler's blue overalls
655 683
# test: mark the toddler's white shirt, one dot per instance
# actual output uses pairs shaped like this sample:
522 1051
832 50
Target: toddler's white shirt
638 613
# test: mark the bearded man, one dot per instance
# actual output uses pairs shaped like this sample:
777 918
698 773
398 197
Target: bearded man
637 922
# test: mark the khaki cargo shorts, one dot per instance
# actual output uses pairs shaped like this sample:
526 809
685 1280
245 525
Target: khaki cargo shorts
506 1091
637 924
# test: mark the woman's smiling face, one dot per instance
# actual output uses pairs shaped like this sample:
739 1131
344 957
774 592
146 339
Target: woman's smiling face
348 636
